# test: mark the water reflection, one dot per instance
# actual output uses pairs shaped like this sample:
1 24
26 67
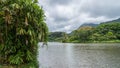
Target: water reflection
68 55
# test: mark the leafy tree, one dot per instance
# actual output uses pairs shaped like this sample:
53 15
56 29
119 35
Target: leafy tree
21 22
110 36
97 37
65 37
108 31
82 34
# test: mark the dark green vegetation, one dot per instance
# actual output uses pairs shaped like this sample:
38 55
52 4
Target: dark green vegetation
104 32
21 28
58 36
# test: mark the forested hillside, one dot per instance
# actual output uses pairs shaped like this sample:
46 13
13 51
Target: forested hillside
57 36
103 32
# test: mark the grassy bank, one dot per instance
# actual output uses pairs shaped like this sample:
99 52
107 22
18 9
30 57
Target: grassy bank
110 41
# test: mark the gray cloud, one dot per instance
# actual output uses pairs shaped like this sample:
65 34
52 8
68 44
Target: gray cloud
63 2
108 8
68 15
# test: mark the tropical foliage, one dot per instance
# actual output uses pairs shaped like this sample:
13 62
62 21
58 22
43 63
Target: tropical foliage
22 26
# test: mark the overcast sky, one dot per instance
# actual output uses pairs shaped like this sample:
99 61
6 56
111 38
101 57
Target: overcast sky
68 15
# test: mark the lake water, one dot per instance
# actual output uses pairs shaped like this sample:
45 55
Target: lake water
69 55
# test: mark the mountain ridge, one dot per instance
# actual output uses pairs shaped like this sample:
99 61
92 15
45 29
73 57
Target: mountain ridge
55 36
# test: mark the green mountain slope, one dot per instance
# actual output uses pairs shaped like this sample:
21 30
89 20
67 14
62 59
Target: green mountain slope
105 31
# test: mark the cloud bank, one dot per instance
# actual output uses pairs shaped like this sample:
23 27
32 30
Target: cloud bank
68 15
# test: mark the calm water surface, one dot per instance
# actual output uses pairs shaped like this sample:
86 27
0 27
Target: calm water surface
69 55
